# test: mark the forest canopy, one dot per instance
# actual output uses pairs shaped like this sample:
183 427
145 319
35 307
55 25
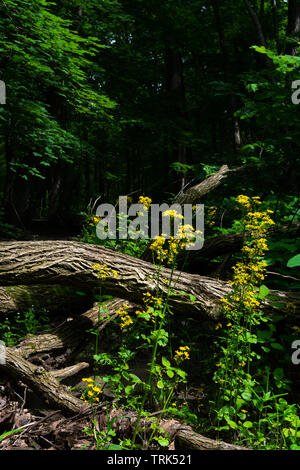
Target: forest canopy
192 102
119 92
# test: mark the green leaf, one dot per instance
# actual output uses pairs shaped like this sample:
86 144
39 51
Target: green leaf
277 346
160 384
165 362
232 424
248 424
294 262
163 441
263 292
247 395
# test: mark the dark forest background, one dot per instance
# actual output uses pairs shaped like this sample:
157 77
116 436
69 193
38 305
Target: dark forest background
144 97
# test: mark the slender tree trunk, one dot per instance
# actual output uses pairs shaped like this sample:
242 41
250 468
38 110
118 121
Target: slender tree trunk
16 190
293 28
228 76
276 25
54 193
259 30
177 108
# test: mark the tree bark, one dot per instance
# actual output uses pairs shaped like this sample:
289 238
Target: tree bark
194 194
293 28
228 76
233 242
188 439
177 105
53 298
72 333
70 263
42 382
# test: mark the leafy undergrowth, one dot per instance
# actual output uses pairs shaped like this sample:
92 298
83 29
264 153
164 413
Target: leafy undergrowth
234 380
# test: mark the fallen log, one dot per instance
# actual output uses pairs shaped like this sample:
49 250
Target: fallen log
71 263
70 371
53 298
233 242
195 193
186 438
72 333
43 383
62 432
57 298
60 397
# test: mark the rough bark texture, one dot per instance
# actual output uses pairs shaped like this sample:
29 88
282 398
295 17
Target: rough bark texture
69 371
70 263
185 437
71 333
188 439
233 242
54 298
42 382
194 194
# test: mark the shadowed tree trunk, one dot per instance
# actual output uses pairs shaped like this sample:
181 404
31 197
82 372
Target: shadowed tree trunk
177 105
226 66
293 28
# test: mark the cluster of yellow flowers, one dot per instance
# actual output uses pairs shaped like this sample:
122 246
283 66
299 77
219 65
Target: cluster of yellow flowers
102 271
172 213
126 319
158 247
251 272
183 239
258 222
93 391
95 220
244 201
182 354
151 303
211 213
148 298
146 201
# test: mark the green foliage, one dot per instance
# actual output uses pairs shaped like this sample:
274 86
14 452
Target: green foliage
294 262
30 322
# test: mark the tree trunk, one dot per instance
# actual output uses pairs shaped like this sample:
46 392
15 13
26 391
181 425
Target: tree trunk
42 382
293 28
194 194
188 439
73 333
54 298
177 107
276 25
227 72
259 30
70 263
233 242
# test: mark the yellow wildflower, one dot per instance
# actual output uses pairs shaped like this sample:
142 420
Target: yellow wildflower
182 353
146 201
